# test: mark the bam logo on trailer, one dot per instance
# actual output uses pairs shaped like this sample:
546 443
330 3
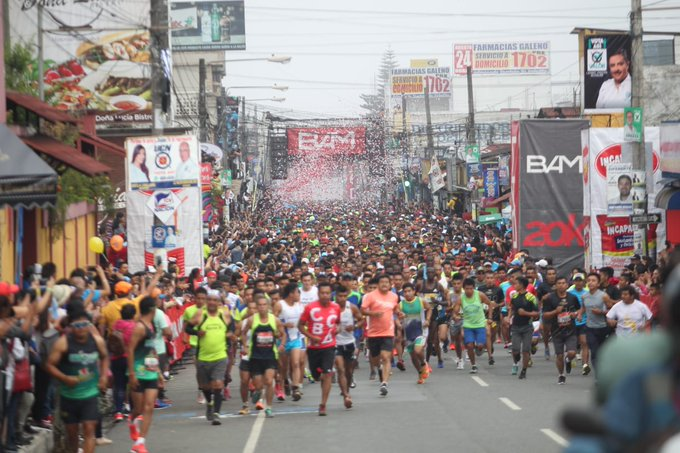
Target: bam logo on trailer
311 141
539 164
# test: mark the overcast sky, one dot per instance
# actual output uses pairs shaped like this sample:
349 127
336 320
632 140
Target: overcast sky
337 46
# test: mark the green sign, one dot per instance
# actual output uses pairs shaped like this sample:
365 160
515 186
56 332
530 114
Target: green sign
632 124
490 218
471 154
226 178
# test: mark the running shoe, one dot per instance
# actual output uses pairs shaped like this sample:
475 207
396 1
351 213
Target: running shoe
101 441
371 377
161 405
383 389
209 411
531 363
259 405
286 388
421 381
461 364
400 365
268 413
296 394
309 376
139 448
353 384
440 364
279 394
491 361
119 417
534 348
425 373
322 410
586 369
567 366
474 369
200 399
515 369
216 419
547 354
561 380
255 397
523 373
134 433
244 410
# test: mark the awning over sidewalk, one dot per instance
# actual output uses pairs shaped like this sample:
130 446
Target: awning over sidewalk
25 179
67 155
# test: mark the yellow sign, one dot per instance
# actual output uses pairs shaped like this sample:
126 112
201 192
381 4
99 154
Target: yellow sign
424 62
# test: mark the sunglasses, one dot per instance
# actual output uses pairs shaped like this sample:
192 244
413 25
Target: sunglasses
81 324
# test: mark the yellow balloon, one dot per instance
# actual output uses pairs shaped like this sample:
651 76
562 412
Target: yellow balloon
96 245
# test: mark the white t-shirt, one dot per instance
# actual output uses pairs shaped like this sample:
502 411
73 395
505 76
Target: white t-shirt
630 318
307 297
613 97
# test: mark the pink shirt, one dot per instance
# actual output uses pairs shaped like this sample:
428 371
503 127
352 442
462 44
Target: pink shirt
382 326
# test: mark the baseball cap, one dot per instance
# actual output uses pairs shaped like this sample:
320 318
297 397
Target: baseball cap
122 288
7 289
212 274
542 263
305 260
488 263
413 268
579 276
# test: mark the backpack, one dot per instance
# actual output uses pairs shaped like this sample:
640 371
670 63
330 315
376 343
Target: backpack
115 343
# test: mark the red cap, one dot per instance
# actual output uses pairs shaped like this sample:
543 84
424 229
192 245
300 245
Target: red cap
7 289
212 274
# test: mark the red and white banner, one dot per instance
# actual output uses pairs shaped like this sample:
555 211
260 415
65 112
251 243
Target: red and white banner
327 141
601 147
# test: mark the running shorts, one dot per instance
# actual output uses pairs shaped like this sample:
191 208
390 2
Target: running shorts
320 361
378 344
207 372
77 411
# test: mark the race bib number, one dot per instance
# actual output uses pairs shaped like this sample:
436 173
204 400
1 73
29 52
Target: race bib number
264 340
563 319
151 363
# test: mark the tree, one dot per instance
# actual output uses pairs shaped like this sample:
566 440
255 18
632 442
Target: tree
21 69
375 102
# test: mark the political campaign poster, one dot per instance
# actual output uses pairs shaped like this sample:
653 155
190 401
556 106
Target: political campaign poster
619 190
162 162
605 147
472 154
618 241
164 224
207 25
502 58
607 78
632 124
504 171
94 60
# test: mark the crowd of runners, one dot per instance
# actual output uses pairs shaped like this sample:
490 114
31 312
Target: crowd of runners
332 294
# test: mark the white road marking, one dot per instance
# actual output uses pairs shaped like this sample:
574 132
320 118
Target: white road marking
479 381
509 403
559 440
254 434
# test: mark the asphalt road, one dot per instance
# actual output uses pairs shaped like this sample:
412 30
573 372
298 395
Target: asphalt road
492 411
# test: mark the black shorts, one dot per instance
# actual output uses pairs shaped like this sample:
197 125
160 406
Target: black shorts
378 344
145 384
580 330
244 365
345 351
258 367
74 412
320 361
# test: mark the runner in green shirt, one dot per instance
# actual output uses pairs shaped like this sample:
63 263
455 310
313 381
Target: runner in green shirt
474 319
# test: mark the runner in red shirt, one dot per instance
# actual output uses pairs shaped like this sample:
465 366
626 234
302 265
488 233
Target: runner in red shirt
319 322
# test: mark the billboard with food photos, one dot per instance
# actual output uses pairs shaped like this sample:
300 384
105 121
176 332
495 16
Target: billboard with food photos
96 55
607 69
207 25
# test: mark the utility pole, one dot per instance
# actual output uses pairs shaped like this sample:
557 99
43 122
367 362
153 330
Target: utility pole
160 44
202 108
471 138
637 84
428 125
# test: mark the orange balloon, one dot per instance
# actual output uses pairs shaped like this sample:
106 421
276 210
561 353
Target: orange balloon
117 243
